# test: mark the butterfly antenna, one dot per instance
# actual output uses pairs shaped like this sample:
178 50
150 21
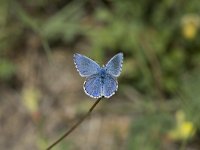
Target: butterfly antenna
75 125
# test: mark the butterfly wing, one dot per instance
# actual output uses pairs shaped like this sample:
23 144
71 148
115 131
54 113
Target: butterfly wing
110 86
114 65
85 66
93 86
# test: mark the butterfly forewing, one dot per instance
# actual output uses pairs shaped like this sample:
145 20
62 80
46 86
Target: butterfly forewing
93 86
85 66
110 86
114 66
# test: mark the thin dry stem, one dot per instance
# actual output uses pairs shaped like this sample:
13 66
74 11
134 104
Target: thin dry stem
75 125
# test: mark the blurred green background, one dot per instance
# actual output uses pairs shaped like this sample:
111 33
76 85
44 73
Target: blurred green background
157 106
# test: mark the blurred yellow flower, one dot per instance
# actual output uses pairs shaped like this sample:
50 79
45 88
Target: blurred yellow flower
190 26
184 129
31 97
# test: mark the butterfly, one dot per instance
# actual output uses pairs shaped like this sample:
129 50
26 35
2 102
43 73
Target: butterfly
100 81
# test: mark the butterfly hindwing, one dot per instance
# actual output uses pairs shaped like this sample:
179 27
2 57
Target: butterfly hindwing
93 86
85 66
110 86
114 65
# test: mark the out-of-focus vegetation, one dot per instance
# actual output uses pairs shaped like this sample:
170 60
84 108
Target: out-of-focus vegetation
161 44
159 39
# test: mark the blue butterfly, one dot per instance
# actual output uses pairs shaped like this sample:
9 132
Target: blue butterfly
100 81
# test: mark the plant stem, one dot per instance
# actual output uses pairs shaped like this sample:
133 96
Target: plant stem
75 125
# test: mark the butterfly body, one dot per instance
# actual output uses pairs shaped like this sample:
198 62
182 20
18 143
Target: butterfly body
100 81
102 73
